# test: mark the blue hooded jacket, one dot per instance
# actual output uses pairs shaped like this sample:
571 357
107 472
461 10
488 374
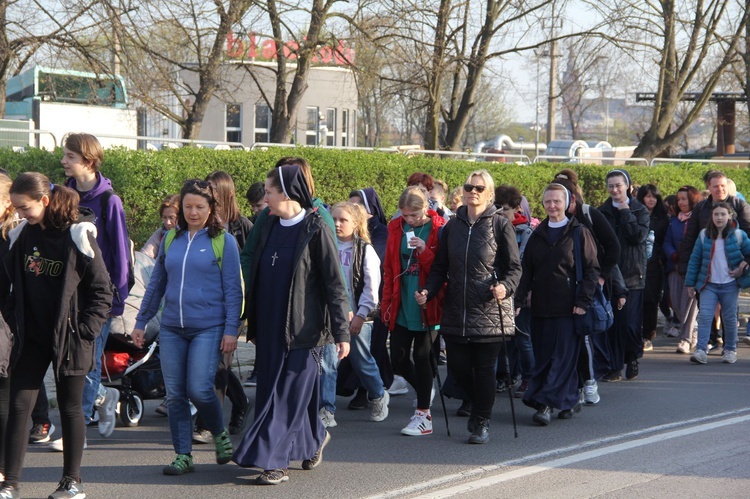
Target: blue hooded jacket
197 293
737 248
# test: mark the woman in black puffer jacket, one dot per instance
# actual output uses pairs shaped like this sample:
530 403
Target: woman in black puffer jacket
478 256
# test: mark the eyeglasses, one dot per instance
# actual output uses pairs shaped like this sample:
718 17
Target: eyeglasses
479 188
202 184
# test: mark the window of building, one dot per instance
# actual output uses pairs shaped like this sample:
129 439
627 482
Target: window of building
234 123
345 127
330 135
262 123
311 131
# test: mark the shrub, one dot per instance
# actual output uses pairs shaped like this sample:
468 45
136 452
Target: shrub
143 178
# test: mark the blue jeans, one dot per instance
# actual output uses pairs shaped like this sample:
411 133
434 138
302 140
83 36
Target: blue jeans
189 358
328 377
93 379
364 364
726 295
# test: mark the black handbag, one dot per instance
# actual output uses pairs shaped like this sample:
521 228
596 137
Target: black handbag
599 316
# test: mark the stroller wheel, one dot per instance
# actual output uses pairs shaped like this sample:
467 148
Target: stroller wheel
131 409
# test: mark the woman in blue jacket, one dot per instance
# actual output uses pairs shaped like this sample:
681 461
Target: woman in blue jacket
717 269
200 319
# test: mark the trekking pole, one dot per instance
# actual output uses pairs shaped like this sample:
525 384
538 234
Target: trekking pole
434 362
507 363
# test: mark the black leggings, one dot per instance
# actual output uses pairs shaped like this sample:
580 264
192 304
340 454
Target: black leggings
419 373
28 374
473 365
4 408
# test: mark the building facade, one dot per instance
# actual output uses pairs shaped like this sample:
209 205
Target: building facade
240 113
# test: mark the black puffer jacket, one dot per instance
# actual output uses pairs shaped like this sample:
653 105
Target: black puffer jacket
469 256
85 301
549 272
631 227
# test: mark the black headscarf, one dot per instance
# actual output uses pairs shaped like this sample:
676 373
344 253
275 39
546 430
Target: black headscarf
294 186
372 204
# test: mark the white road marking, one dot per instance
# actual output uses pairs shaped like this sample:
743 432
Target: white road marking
632 440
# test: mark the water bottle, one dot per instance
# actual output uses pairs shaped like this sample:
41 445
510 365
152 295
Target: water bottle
650 244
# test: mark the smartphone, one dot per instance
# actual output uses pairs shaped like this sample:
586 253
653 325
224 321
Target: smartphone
409 236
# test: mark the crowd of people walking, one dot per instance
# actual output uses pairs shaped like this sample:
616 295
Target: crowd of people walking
338 300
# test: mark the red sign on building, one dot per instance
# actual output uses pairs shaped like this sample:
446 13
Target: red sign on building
255 48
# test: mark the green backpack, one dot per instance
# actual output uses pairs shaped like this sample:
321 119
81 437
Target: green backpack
217 243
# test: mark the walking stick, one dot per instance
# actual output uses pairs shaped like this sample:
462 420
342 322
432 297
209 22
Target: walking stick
507 363
434 362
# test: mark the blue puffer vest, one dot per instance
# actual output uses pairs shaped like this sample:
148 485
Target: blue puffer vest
736 246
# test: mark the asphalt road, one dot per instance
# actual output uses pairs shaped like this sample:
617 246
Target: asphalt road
678 430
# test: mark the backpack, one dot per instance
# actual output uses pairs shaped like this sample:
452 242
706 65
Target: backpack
217 244
103 203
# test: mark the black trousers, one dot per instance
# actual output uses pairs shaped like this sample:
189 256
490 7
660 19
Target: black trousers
473 366
4 409
418 374
28 375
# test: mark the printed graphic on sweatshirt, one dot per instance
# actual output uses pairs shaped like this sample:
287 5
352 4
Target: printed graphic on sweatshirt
412 266
38 265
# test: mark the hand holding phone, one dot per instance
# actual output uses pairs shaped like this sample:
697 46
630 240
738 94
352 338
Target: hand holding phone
409 237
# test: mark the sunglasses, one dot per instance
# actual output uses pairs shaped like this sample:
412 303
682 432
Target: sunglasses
479 188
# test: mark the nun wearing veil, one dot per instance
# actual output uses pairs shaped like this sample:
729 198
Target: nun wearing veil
294 284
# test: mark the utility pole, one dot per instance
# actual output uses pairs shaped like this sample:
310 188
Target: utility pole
552 89
551 115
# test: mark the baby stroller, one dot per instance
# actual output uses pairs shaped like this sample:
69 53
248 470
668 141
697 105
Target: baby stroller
135 372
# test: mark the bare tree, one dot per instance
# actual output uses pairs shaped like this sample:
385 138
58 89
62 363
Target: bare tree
450 44
160 38
28 27
687 40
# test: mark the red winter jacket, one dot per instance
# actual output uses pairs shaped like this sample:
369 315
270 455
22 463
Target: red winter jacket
392 270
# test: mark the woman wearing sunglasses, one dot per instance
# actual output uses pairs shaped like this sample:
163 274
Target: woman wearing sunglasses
478 257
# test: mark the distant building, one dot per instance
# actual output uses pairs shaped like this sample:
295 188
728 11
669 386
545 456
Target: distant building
62 101
238 112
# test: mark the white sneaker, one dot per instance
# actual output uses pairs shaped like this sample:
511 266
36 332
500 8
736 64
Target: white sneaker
108 412
699 357
420 424
57 445
683 346
399 386
729 357
591 392
380 408
327 418
746 340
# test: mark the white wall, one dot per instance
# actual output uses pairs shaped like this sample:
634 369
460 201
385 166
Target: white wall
61 118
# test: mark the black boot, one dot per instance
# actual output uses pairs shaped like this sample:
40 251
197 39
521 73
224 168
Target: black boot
481 433
543 415
359 401
465 409
568 413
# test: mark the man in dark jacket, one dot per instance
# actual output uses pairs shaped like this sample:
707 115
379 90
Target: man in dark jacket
716 182
630 220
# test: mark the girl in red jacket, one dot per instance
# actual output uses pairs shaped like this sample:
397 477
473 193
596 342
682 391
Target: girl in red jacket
409 253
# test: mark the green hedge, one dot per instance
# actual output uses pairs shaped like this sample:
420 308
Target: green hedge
143 178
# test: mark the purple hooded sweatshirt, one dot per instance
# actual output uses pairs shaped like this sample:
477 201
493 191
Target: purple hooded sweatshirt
113 239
